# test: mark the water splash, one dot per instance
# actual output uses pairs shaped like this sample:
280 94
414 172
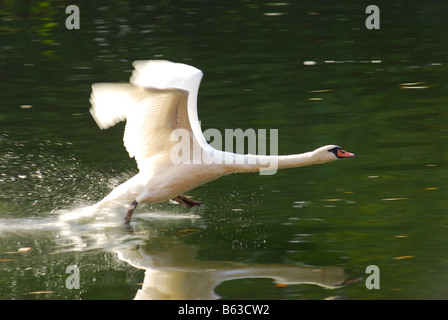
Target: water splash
48 195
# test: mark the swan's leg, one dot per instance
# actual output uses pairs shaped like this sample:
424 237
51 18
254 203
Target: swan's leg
187 202
130 211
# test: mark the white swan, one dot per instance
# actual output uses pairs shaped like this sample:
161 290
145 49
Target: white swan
161 97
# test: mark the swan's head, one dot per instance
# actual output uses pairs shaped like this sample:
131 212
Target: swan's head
330 153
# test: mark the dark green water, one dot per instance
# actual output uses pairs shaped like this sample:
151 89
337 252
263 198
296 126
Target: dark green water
305 233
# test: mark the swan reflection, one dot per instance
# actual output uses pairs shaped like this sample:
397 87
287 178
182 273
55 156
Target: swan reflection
172 271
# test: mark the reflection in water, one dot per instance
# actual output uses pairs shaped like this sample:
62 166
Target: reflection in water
173 272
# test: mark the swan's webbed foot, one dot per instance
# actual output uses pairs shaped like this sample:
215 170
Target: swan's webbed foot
130 211
186 201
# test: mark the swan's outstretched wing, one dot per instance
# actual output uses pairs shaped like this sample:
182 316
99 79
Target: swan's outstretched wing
161 97
165 74
111 102
150 124
151 115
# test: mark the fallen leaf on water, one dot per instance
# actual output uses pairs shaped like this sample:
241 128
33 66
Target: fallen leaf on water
431 188
184 232
401 236
419 87
281 285
403 257
317 91
331 298
411 83
393 199
40 292
7 260
315 99
272 14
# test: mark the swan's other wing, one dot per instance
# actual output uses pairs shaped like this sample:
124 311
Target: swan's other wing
111 102
150 123
151 115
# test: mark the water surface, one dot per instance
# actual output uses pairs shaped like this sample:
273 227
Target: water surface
312 71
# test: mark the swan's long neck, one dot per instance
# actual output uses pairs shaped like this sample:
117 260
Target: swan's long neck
252 163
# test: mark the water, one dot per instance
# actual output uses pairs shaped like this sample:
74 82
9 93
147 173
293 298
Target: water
305 233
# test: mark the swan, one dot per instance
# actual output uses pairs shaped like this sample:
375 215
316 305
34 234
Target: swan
159 99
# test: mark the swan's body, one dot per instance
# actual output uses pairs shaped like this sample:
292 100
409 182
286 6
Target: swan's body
160 98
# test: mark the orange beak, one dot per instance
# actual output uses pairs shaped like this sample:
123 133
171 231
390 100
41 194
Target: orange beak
344 154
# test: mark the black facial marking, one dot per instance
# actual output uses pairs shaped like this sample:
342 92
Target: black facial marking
335 151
